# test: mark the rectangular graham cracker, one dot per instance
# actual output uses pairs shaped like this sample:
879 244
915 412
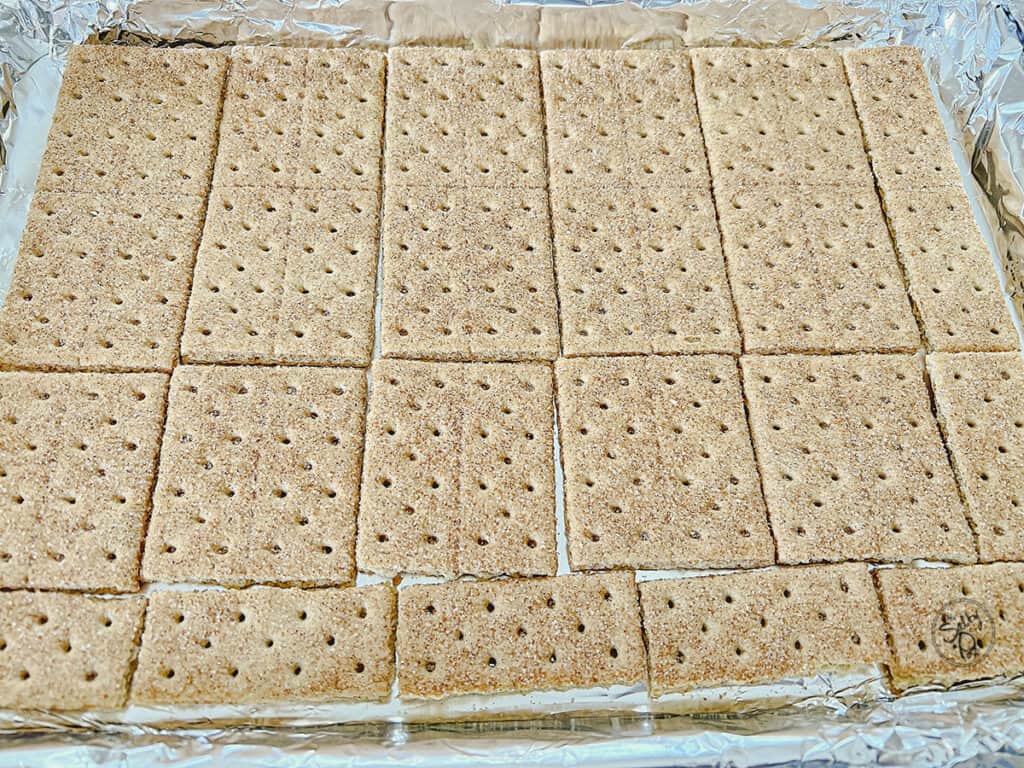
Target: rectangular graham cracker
758 627
980 403
641 272
135 119
949 268
101 282
77 461
259 476
285 277
813 269
458 118
623 118
459 470
947 625
468 275
488 637
66 652
902 127
852 461
264 645
310 119
659 469
778 115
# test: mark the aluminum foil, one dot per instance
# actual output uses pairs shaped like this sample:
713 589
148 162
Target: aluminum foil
975 53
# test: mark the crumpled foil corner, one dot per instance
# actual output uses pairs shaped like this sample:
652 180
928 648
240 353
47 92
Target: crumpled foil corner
974 50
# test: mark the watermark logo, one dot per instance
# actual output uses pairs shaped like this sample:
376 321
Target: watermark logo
963 631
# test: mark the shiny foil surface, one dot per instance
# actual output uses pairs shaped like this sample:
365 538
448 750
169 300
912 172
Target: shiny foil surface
974 52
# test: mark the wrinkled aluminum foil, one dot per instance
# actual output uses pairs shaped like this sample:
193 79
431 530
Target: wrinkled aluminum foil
975 54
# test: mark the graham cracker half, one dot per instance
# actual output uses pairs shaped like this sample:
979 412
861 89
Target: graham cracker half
980 400
949 267
285 277
624 117
902 126
458 118
772 115
813 269
659 469
259 476
135 119
266 644
101 282
488 637
468 275
641 272
66 652
759 627
459 470
948 625
852 461
77 461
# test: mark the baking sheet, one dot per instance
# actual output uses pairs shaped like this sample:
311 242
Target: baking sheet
974 53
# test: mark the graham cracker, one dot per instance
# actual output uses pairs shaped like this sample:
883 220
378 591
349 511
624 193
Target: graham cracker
259 476
66 652
101 282
468 275
659 469
947 625
458 118
285 277
488 637
342 121
134 119
624 117
77 460
852 461
813 269
265 645
261 132
759 627
949 268
236 291
641 272
459 470
980 402
902 127
773 115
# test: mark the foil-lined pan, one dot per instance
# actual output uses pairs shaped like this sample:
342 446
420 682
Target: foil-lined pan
975 54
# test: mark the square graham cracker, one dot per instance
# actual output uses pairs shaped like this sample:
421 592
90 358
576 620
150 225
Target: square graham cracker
949 269
77 461
464 118
641 272
67 652
852 461
902 127
265 645
813 269
459 470
468 275
758 627
947 625
659 469
285 277
980 403
101 282
259 476
135 119
622 118
306 119
773 115
489 637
